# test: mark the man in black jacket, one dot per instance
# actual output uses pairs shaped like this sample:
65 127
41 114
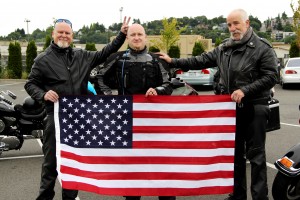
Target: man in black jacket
62 70
135 71
247 72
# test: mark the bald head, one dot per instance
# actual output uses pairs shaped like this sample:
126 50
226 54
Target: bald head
62 34
135 28
136 37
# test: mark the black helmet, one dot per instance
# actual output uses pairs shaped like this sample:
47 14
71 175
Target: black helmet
30 104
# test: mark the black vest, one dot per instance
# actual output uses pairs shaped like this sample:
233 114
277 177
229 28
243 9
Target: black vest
135 72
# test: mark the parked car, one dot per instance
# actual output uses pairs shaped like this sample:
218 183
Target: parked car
290 73
198 77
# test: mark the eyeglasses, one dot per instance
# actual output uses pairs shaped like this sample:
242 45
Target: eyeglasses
64 20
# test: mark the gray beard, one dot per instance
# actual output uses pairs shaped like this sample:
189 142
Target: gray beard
63 44
242 35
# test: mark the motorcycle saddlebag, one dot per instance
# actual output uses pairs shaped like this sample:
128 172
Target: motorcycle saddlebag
274 118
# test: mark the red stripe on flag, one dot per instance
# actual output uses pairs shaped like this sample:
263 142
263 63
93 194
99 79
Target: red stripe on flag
183 114
184 129
182 145
148 159
182 99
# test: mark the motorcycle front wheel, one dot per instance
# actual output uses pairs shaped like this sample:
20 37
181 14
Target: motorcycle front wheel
286 188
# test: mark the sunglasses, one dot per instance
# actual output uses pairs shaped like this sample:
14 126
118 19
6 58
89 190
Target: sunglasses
63 20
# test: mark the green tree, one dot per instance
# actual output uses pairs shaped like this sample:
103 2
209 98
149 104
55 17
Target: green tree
38 34
296 18
22 32
294 50
115 26
218 42
279 23
14 64
264 35
136 21
31 53
154 49
174 51
47 42
255 23
169 35
90 47
14 36
289 39
284 16
49 30
198 49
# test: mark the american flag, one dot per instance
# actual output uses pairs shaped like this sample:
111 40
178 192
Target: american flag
146 146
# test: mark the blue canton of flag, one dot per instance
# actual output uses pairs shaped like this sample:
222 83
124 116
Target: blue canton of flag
96 121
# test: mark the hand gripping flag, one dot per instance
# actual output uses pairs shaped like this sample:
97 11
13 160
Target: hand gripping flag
138 146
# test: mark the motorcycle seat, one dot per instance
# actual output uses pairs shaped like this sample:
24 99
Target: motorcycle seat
37 114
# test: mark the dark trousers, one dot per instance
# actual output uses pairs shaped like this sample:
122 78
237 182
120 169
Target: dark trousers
251 122
49 173
160 198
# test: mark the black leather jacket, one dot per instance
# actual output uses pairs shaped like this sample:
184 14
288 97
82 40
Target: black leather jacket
250 67
66 71
134 72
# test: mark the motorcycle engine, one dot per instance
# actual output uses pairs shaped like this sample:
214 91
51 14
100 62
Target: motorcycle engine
11 142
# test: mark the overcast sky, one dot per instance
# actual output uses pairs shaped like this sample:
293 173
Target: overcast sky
41 13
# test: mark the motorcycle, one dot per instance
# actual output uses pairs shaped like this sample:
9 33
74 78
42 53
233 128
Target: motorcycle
286 185
19 122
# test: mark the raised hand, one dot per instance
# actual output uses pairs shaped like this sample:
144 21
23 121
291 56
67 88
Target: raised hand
125 25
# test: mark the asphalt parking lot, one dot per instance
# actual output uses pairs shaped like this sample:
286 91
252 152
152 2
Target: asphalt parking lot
21 169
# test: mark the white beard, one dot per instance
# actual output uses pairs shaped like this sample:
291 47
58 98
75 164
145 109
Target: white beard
241 35
62 44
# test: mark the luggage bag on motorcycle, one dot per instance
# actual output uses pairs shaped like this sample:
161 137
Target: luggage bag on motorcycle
274 119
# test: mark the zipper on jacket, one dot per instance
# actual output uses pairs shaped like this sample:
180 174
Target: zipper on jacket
71 79
65 60
229 65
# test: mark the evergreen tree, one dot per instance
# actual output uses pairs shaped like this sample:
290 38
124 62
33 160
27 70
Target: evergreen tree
174 51
31 53
154 49
294 50
47 42
198 49
90 47
14 64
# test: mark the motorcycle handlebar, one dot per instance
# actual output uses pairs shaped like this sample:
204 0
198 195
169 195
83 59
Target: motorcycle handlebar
9 93
5 100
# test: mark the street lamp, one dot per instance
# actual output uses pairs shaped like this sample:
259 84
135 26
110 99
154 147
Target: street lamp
121 9
27 21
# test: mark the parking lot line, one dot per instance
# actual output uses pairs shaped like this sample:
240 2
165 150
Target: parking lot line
21 157
290 124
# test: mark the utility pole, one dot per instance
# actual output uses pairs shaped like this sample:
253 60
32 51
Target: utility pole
27 21
121 9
